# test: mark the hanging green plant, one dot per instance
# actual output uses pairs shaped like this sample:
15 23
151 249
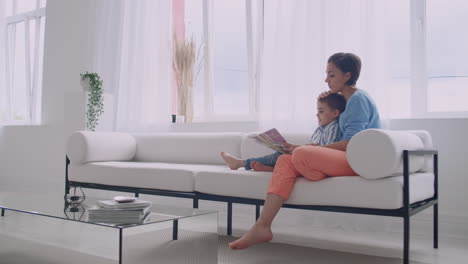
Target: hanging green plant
95 107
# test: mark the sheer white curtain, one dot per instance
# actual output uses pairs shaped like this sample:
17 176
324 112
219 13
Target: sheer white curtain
299 36
3 84
133 53
109 16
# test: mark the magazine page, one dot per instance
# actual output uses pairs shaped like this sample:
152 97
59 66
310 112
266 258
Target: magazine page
272 139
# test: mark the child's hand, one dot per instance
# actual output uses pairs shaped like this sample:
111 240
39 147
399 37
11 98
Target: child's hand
289 148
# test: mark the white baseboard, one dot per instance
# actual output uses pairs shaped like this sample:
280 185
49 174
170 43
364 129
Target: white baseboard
450 225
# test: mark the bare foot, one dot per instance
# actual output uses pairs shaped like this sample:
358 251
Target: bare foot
256 235
258 166
232 162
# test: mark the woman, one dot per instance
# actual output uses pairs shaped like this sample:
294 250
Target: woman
317 162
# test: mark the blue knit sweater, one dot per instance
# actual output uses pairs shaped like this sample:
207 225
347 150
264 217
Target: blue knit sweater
360 113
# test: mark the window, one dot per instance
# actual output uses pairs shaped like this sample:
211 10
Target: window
426 52
398 25
439 81
419 44
447 53
225 87
427 55
22 41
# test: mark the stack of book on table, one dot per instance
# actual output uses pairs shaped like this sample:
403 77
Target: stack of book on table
112 212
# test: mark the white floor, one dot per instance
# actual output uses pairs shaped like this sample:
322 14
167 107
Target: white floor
292 227
306 228
383 244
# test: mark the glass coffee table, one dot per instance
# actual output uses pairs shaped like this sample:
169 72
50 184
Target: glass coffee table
181 230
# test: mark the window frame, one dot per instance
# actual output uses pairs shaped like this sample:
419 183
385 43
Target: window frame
253 65
32 76
418 67
419 72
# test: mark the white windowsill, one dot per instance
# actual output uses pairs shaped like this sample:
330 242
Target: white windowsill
20 124
434 115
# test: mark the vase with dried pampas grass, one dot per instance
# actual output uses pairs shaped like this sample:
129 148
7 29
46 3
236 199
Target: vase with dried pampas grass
184 62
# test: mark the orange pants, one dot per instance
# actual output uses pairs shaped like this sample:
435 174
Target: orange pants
312 162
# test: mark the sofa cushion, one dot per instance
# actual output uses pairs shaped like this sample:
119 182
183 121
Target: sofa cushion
353 191
87 146
427 143
193 148
377 153
153 175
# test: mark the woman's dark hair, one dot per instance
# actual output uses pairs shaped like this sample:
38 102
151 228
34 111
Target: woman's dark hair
335 101
347 62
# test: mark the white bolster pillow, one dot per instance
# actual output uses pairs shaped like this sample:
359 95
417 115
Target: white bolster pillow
378 153
87 146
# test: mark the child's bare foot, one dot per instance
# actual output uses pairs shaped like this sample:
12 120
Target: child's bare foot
232 162
258 166
256 235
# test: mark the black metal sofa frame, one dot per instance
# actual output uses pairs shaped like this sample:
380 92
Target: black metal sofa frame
405 212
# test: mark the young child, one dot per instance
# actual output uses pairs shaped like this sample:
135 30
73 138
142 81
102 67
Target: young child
328 110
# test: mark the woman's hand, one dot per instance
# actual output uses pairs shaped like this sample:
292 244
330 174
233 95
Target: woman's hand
324 94
290 147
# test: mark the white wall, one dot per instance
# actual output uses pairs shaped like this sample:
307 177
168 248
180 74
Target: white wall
32 157
449 137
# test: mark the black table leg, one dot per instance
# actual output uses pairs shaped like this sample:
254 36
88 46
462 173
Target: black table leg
436 226
257 211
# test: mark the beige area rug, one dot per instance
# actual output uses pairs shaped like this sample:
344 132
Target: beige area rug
277 253
191 248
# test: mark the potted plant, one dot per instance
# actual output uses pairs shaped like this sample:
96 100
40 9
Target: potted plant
92 83
184 59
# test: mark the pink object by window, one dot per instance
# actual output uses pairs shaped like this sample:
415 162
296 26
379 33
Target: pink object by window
178 15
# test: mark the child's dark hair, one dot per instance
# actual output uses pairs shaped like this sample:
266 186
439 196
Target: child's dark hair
347 62
335 101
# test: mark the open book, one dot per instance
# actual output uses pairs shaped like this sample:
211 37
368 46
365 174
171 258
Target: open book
272 139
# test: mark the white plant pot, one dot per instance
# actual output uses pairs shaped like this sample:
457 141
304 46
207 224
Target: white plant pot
85 84
180 119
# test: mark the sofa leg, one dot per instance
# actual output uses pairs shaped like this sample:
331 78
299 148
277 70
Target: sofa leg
406 234
195 203
229 219
137 195
175 229
436 226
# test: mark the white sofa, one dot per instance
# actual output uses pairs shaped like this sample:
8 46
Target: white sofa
189 165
